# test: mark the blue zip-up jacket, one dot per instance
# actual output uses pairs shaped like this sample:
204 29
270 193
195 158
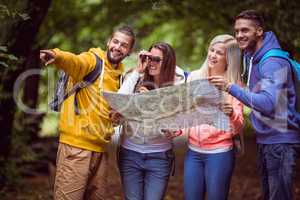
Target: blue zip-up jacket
271 95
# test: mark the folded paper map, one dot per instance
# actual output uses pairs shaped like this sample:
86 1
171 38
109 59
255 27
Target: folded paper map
173 108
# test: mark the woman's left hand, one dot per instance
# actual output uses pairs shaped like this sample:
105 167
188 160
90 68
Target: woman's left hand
219 82
115 117
170 134
142 89
227 109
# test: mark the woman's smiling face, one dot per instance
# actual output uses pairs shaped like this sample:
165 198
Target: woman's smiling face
216 60
154 65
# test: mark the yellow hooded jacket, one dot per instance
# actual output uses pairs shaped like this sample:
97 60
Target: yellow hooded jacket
92 128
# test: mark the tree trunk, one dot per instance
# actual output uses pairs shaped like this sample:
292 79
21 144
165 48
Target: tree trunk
19 42
31 121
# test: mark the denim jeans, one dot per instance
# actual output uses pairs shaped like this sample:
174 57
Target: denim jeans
207 173
276 164
145 176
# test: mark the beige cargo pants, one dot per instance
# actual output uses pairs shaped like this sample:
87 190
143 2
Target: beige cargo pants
80 174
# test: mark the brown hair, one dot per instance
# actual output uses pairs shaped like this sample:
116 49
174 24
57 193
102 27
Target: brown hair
127 30
252 15
168 66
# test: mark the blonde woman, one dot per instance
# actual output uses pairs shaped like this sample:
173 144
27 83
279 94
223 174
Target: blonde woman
210 158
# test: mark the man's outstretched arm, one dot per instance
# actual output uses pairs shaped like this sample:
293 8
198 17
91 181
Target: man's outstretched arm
77 66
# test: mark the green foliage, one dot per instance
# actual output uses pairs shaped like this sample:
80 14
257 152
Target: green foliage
187 25
8 63
11 172
5 57
20 153
248 129
20 147
49 126
12 13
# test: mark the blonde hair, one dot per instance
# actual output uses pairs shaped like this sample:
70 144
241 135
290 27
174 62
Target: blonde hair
233 59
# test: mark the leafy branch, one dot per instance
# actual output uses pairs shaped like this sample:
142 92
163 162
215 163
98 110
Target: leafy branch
12 13
5 57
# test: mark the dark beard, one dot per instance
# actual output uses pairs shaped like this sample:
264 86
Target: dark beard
113 61
252 46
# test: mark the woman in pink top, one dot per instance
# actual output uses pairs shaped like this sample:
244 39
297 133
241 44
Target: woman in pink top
210 157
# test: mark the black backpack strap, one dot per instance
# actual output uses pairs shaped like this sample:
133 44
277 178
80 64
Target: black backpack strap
186 74
61 95
59 91
87 80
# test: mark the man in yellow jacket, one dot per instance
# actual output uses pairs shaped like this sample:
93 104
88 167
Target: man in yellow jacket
82 160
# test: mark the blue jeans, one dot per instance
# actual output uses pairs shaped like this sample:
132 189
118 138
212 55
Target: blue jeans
145 176
207 173
276 164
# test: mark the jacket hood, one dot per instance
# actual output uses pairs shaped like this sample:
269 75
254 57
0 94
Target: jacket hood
269 42
179 75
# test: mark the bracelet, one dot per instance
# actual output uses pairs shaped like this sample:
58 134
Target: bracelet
227 87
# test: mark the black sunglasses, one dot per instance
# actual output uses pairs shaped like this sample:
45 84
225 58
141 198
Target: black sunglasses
151 58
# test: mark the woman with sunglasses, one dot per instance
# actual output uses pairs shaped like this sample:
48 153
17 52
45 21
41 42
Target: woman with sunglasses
145 162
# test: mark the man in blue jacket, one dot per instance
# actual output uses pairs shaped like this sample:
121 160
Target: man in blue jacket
271 95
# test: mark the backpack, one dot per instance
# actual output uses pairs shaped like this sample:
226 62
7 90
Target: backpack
186 74
295 73
60 92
